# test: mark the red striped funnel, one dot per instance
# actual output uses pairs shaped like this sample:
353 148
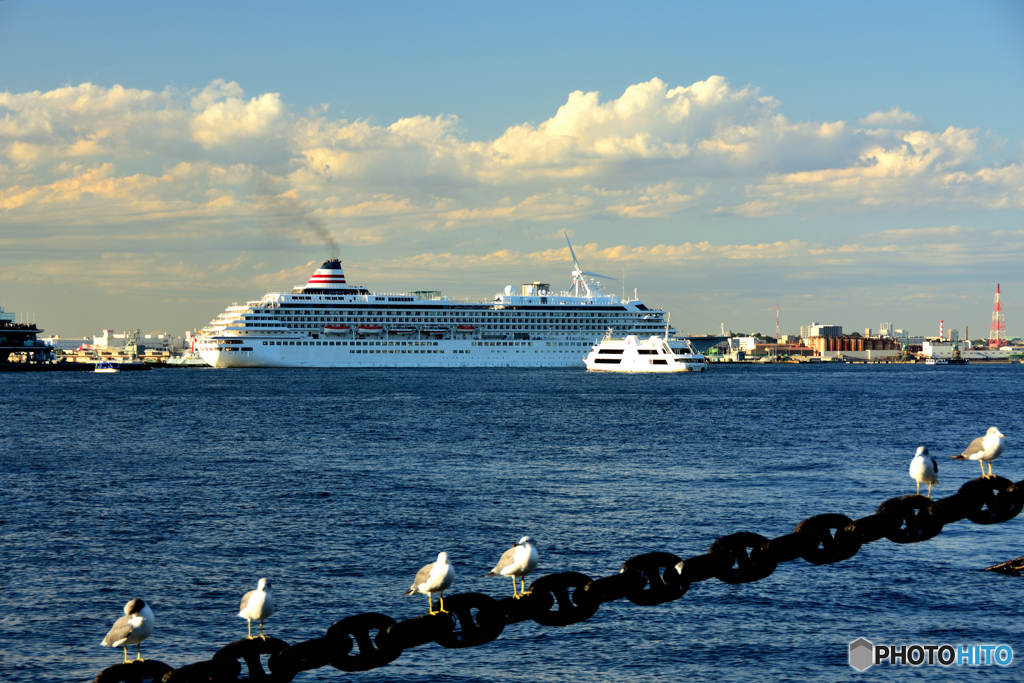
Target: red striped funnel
328 276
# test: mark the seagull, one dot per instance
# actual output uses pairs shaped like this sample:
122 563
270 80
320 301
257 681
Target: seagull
924 469
519 560
257 605
988 447
436 577
134 627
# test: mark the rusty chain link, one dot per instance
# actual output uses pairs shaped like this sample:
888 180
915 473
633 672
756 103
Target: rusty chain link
371 640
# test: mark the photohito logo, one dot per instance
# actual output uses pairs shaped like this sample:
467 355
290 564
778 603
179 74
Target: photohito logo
863 653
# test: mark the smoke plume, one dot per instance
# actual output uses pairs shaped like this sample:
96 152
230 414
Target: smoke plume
289 209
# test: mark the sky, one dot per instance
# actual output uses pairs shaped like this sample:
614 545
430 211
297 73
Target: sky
851 164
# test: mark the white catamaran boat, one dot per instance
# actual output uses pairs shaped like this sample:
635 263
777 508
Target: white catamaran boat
188 359
328 323
633 354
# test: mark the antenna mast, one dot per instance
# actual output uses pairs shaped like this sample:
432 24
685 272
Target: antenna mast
997 332
777 335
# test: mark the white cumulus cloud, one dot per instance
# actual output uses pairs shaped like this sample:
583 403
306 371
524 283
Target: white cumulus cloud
893 117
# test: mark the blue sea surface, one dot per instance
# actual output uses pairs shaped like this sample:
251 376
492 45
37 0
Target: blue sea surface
184 486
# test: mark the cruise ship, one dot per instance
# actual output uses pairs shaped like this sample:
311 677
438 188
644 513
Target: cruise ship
328 323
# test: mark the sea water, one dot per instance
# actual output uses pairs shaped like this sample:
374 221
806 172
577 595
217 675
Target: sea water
184 486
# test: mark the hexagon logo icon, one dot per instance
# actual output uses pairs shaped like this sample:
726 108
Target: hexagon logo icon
861 654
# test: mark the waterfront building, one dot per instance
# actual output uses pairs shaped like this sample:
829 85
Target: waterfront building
944 349
819 330
19 342
60 343
827 346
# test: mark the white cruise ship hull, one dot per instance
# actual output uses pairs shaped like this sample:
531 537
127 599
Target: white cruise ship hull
400 354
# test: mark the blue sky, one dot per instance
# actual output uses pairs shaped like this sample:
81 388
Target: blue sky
857 164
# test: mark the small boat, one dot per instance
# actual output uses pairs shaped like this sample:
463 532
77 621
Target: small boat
402 331
107 367
336 329
188 359
947 361
632 354
434 331
370 329
465 328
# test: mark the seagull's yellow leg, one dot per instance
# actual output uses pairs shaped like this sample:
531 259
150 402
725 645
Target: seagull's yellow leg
515 589
919 488
989 468
262 637
430 604
929 490
138 654
249 621
442 604
982 469
523 592
125 654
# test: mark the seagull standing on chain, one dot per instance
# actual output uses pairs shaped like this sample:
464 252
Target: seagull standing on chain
257 605
436 577
519 560
924 469
133 628
984 448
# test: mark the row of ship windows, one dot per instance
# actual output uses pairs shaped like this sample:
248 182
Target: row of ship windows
488 327
331 343
249 348
456 351
616 361
642 352
397 343
470 310
388 318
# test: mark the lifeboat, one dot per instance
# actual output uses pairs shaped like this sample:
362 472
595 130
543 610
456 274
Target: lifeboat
465 328
370 329
434 331
336 329
403 331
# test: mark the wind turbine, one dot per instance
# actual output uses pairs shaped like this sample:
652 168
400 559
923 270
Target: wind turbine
578 274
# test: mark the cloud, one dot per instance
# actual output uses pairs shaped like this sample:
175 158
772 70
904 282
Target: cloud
223 118
757 208
653 152
921 168
909 255
893 117
656 201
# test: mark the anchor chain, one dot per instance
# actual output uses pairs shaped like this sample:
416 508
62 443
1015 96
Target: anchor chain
371 640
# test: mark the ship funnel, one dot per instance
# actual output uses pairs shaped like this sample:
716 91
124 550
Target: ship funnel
328 276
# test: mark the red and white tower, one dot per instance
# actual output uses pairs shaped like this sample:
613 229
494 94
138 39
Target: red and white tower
997 332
